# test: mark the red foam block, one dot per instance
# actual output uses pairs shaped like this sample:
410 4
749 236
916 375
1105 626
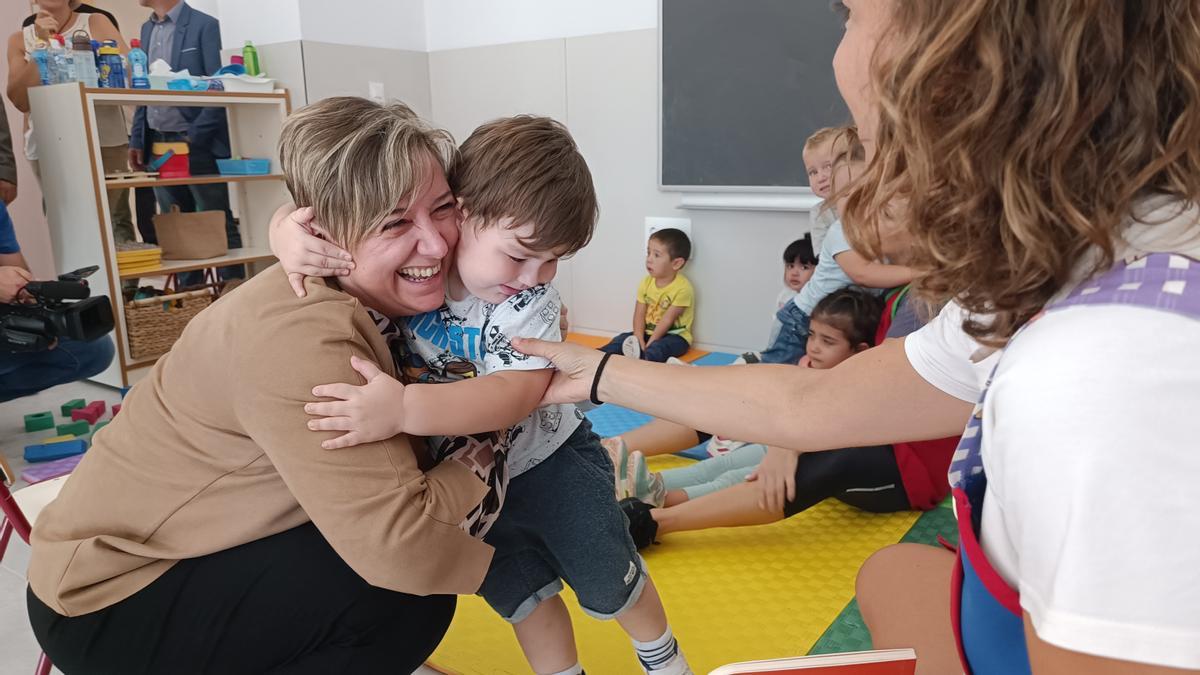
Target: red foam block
89 414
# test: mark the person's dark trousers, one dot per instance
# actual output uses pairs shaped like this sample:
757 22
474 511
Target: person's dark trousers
283 604
208 197
27 373
659 351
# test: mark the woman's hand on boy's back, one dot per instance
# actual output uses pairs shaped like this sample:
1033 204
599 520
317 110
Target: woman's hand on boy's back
370 412
303 248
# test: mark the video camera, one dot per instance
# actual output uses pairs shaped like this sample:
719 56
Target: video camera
33 326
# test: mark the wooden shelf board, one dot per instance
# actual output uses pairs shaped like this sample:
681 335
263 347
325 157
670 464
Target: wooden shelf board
236 256
158 96
111 184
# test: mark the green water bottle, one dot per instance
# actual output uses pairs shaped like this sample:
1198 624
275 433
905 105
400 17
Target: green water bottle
250 57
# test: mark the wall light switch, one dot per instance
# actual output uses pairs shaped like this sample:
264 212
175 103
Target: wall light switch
375 92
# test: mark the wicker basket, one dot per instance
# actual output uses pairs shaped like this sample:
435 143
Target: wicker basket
156 323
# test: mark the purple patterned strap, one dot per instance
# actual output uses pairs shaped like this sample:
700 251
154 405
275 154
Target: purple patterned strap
1165 281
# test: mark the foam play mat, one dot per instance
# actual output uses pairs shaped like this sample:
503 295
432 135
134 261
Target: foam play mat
598 341
731 595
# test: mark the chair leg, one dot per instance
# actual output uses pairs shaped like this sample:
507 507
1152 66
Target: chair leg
43 666
6 531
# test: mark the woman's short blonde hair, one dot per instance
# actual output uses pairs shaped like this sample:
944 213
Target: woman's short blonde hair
353 161
1017 135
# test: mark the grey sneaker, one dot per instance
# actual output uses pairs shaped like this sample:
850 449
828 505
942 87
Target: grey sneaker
618 453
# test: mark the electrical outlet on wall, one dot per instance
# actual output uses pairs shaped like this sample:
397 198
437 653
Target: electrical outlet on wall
654 224
375 92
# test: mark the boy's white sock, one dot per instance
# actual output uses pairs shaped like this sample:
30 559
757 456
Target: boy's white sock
573 670
661 656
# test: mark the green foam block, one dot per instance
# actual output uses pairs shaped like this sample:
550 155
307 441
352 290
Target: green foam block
79 428
39 421
73 404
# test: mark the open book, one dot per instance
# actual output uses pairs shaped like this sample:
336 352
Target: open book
879 662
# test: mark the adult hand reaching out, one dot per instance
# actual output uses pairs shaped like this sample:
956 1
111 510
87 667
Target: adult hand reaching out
576 366
12 282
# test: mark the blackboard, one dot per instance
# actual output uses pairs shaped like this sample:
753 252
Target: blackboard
743 84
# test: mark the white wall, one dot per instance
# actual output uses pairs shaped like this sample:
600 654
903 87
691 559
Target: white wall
454 24
589 64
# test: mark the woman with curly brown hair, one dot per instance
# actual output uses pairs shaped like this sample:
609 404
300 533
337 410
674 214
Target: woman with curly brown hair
1041 160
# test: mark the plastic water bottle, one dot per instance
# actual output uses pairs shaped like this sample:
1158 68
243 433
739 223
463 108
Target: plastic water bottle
250 59
112 66
138 66
64 63
41 56
85 60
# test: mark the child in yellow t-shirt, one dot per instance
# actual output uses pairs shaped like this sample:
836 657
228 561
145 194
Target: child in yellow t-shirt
666 303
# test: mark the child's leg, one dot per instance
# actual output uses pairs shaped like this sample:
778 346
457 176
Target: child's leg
547 639
587 538
614 346
706 471
660 437
734 507
792 342
665 347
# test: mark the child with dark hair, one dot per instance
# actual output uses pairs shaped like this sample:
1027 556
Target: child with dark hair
843 324
666 307
799 261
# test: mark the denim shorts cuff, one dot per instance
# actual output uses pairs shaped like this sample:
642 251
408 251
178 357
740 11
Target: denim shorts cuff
635 594
527 606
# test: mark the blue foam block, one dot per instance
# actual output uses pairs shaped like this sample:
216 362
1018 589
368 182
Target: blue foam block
51 451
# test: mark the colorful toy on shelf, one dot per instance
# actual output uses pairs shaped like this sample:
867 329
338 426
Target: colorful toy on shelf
177 165
78 428
39 421
45 452
73 404
52 469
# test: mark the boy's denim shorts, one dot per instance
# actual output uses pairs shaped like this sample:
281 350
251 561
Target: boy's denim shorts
561 522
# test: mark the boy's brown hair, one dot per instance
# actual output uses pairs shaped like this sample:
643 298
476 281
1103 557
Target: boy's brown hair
353 160
529 169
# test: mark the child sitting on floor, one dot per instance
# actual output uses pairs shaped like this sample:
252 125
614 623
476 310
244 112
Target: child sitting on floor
843 324
666 303
818 164
799 262
526 200
838 266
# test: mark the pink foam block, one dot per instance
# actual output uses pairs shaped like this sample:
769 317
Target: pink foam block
116 409
100 406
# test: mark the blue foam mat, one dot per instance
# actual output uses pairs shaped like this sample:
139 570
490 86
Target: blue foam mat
611 420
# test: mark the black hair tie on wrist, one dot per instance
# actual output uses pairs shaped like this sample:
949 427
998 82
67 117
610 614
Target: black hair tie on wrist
596 380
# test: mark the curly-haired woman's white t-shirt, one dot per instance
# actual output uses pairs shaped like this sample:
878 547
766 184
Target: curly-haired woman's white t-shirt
1092 451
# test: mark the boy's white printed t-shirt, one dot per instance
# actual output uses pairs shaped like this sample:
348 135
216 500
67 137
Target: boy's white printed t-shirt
471 338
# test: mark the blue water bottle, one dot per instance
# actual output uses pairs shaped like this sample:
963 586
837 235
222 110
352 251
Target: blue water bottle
138 66
41 56
112 66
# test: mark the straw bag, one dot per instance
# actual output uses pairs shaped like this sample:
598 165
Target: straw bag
191 236
156 323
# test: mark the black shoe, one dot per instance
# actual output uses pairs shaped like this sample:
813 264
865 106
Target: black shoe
751 357
642 527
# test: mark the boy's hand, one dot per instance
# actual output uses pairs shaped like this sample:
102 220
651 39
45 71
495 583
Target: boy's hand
776 477
12 283
294 239
370 412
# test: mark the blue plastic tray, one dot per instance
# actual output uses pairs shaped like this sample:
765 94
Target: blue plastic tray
244 167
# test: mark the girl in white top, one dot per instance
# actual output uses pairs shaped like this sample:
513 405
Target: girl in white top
1017 147
59 16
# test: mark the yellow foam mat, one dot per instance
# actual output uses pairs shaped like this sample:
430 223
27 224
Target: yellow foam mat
598 341
732 594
